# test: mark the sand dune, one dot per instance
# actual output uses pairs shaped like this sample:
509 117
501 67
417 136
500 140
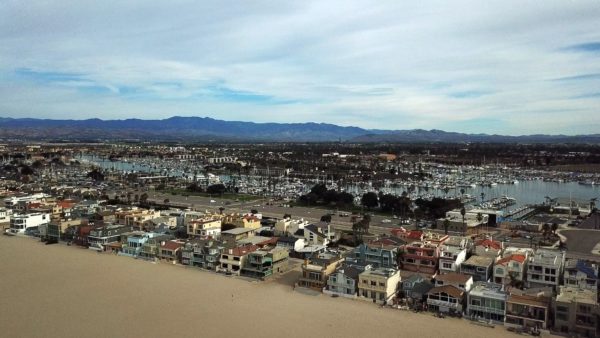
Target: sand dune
61 291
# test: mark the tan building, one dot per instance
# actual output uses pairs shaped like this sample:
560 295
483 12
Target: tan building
245 221
379 285
576 311
316 271
232 260
201 227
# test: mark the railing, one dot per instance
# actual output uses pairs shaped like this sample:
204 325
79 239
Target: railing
485 309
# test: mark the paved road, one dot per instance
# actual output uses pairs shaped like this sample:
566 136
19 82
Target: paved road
581 241
309 214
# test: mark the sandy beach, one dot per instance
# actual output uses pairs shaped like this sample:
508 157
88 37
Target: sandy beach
62 291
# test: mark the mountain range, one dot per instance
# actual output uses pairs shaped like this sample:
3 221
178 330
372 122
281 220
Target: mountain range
205 129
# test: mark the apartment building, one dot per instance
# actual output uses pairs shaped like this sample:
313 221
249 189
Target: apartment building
545 268
378 284
576 311
487 301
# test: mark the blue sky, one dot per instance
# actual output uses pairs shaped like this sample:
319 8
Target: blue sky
506 67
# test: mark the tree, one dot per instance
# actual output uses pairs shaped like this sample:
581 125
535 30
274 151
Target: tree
216 189
369 200
546 229
462 213
366 223
166 201
326 218
446 226
400 258
221 209
96 175
144 198
554 228
26 170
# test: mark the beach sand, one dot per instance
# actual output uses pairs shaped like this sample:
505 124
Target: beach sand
62 291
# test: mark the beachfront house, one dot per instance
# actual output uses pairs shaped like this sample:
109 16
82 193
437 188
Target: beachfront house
545 268
459 280
378 285
480 267
100 236
56 230
205 253
576 311
19 223
316 270
151 248
170 250
264 263
421 256
487 301
248 221
232 260
344 281
447 298
527 311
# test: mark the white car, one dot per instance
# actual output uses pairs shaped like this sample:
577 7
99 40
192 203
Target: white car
213 201
385 221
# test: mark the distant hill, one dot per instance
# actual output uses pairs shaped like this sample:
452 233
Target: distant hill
202 129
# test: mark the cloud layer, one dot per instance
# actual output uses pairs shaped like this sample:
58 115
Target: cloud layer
509 67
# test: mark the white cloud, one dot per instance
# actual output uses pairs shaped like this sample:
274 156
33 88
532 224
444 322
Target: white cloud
384 64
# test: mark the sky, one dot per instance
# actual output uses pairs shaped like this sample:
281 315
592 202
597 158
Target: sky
506 67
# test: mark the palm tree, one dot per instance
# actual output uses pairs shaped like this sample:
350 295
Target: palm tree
462 213
479 220
546 229
482 196
446 226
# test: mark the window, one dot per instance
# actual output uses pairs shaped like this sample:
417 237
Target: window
373 283
381 284
499 271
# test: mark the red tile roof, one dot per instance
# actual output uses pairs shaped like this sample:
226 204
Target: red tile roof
172 245
516 257
490 244
241 250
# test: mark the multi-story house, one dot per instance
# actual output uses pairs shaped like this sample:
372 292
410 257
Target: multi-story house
451 257
480 267
151 248
243 221
232 260
264 263
316 270
420 257
290 243
527 312
510 269
318 234
234 235
487 301
344 281
287 226
56 230
581 274
81 233
576 311
378 284
170 250
204 227
447 298
19 223
5 216
458 280
379 253
545 268
206 253
132 245
488 247
100 236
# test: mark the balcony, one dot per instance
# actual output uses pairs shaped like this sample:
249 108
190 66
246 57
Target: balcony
539 316
441 303
485 309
